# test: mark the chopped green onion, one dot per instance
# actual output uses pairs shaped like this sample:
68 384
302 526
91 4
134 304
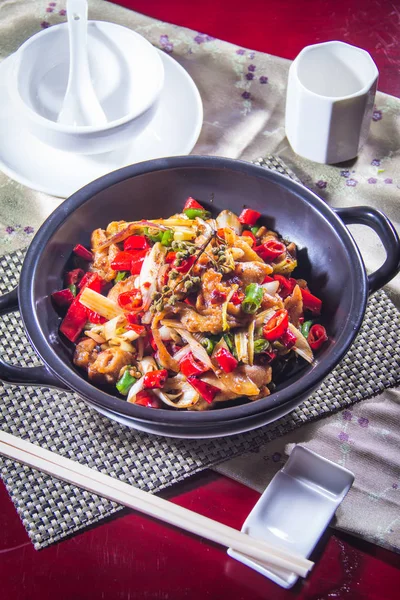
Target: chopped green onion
260 346
120 276
254 229
73 289
253 298
125 383
153 237
305 328
192 213
167 237
208 345
229 341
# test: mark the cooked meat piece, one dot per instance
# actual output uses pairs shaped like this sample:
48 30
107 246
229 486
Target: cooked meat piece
270 301
252 272
102 259
294 306
107 366
260 375
120 287
210 321
224 394
85 353
211 283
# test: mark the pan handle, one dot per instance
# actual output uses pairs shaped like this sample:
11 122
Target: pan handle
24 375
376 220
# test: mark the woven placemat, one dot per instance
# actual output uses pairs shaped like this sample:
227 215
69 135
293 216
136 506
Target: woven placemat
51 510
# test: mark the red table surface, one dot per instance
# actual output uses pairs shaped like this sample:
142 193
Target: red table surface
133 557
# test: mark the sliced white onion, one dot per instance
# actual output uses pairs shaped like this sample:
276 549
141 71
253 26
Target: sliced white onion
301 347
149 271
165 333
264 316
95 336
242 346
271 287
198 351
110 328
181 353
134 390
250 337
148 364
226 218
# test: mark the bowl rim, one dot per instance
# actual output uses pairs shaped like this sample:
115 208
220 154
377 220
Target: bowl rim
82 130
74 381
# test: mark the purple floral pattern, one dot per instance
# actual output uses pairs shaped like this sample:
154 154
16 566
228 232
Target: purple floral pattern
321 184
351 182
240 51
376 162
44 24
263 79
246 95
363 422
249 76
377 115
372 180
345 173
165 44
388 180
201 38
251 68
347 416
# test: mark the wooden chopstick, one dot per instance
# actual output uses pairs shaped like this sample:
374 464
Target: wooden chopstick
123 493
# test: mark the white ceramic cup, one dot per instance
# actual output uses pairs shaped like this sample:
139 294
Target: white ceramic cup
329 102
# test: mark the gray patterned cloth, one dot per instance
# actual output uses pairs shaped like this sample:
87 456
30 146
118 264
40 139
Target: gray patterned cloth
61 422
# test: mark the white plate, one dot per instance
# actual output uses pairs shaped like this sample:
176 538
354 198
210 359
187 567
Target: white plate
172 132
295 509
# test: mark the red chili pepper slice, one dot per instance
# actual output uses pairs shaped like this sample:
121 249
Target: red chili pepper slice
288 339
270 250
268 279
311 302
155 379
151 341
186 264
251 235
226 360
74 321
130 300
136 242
63 298
94 317
217 297
122 261
276 326
139 329
83 252
249 216
92 281
137 262
191 300
206 391
192 203
171 256
134 318
237 298
189 366
72 277
317 336
286 286
148 399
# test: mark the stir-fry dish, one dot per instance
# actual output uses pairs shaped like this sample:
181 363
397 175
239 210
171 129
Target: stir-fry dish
190 311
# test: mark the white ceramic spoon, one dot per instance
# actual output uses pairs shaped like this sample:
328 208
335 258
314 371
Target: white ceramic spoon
81 105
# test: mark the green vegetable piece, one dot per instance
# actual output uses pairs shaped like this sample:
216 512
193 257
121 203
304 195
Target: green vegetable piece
253 298
208 345
167 237
305 328
254 229
260 346
120 276
229 341
73 289
125 383
192 213
153 237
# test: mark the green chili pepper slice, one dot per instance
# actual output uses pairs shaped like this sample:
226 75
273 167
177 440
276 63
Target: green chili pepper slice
192 213
305 328
260 346
120 276
254 229
167 237
153 238
125 383
253 298
208 345
73 289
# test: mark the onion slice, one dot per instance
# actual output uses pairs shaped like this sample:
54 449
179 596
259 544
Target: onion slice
301 347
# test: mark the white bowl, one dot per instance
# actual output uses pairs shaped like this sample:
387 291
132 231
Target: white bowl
127 75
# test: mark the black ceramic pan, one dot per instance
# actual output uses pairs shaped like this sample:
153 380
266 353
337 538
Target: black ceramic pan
328 255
